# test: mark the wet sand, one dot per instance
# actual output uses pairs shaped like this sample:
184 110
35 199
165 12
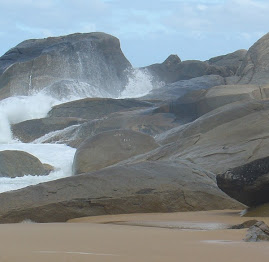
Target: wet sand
135 237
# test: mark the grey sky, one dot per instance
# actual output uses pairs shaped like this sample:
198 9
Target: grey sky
149 30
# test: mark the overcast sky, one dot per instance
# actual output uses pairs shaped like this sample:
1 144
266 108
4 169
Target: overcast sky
149 30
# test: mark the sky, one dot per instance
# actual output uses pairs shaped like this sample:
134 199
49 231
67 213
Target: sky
149 30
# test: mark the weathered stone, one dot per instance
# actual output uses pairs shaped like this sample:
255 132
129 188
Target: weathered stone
18 163
111 147
258 232
246 224
137 188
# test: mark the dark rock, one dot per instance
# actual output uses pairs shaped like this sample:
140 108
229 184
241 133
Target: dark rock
255 66
86 58
111 147
246 224
117 190
248 183
18 163
95 108
258 232
257 211
30 130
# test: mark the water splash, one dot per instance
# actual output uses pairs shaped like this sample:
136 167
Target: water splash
140 83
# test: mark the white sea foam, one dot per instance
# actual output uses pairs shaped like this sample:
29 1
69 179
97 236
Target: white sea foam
59 156
140 84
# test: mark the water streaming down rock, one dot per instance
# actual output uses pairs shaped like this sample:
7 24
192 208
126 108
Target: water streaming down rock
37 104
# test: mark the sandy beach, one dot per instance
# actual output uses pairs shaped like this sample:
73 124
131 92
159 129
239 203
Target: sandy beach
136 237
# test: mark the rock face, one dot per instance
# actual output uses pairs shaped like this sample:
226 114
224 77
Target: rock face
258 232
19 163
95 108
28 131
85 58
108 148
136 188
255 66
248 184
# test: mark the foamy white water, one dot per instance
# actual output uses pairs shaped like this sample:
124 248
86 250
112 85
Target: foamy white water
16 109
59 156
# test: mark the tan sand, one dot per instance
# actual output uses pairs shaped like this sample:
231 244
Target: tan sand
97 239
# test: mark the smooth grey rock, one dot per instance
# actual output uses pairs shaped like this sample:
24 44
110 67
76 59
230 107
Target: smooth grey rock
111 147
95 108
257 233
137 188
248 183
86 58
18 163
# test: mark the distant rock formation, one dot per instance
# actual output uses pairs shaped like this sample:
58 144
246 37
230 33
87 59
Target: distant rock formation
93 59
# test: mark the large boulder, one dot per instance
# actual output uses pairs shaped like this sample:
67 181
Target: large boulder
18 163
255 66
137 188
28 131
95 108
86 58
248 183
111 147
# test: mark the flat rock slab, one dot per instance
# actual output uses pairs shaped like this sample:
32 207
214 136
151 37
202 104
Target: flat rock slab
138 188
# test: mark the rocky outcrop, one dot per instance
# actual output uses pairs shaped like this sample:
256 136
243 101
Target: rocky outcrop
197 103
246 224
18 163
255 66
257 233
137 188
231 61
173 70
177 89
224 138
95 108
28 131
111 147
85 58
248 183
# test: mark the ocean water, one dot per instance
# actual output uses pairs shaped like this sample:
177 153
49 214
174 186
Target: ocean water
36 105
